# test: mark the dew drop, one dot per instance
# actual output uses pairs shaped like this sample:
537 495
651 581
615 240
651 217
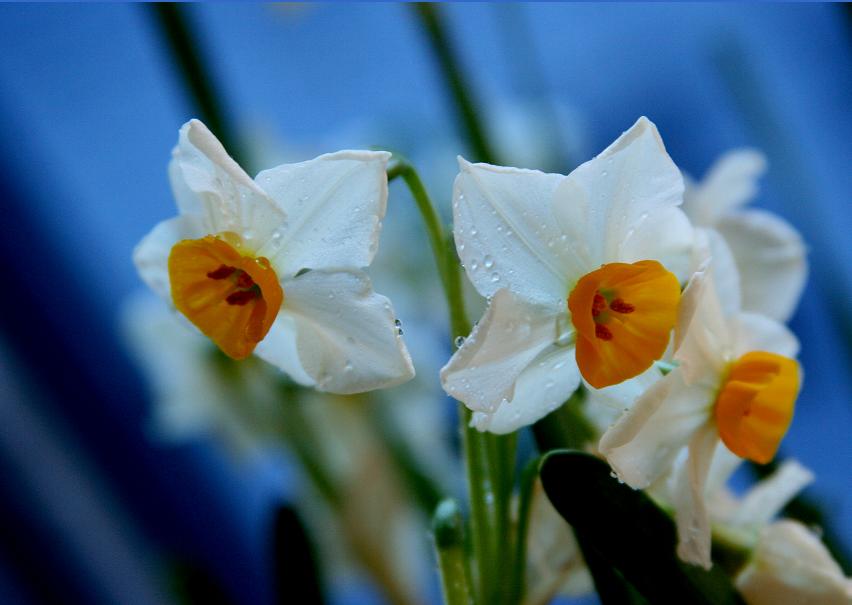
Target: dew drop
487 262
495 277
458 341
398 325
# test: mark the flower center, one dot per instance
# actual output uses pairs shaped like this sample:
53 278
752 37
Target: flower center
754 408
233 299
623 314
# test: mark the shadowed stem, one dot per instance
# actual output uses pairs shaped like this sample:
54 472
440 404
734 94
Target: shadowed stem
177 31
431 20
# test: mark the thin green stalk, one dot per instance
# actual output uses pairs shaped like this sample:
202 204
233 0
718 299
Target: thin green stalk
176 29
431 219
448 530
489 511
518 568
429 15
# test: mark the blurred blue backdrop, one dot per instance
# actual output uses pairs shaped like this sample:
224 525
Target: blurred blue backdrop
90 105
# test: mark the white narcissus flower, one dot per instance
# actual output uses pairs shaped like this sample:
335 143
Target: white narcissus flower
769 252
737 381
791 566
582 271
274 265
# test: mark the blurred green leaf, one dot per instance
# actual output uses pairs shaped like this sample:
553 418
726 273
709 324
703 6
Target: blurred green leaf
624 528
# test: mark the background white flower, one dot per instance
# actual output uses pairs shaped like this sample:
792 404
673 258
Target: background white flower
791 566
769 252
317 223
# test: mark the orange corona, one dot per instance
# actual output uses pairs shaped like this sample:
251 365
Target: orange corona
754 408
624 314
232 298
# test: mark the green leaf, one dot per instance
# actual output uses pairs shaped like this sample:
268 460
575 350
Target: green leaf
626 529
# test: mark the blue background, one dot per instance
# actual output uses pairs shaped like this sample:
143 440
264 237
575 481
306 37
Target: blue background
90 105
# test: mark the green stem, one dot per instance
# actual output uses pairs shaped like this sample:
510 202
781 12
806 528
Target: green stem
485 454
430 18
175 28
518 568
447 528
431 219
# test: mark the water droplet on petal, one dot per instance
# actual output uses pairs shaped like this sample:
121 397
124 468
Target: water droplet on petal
458 341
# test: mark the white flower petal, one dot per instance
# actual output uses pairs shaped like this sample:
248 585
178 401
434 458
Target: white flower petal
279 347
730 183
506 236
769 496
711 248
791 566
206 182
693 522
345 334
546 383
511 334
334 206
151 255
627 193
753 332
704 343
646 439
604 406
771 258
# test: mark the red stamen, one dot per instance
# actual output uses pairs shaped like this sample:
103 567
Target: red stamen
619 306
598 305
244 280
602 332
222 272
242 297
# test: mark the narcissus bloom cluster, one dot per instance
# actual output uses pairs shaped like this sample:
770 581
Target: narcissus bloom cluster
659 299
601 278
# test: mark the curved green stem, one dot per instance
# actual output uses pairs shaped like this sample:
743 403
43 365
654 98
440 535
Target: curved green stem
489 458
